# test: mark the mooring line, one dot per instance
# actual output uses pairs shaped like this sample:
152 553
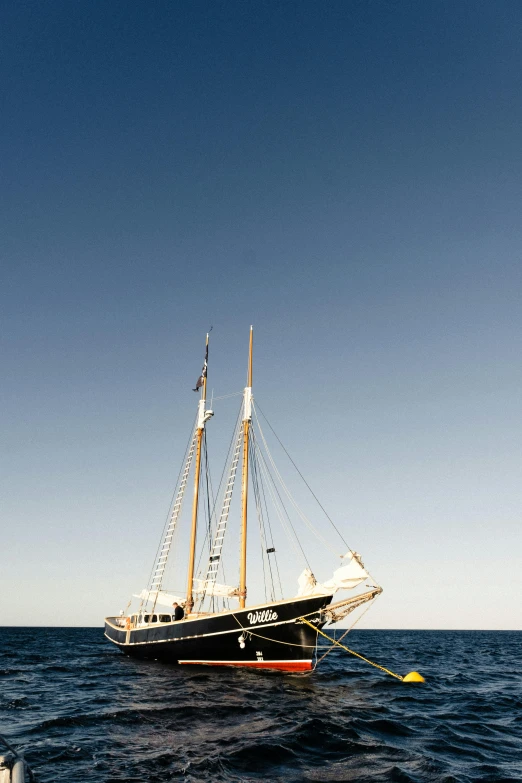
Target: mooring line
411 677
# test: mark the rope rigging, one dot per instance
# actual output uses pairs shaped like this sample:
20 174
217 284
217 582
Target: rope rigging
265 554
289 495
269 488
282 513
305 481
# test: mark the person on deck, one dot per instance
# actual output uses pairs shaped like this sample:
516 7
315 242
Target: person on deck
179 614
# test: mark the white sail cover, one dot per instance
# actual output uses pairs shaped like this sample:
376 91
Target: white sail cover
161 598
308 585
346 577
349 575
213 588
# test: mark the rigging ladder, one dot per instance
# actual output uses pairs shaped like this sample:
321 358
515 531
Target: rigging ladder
159 570
217 545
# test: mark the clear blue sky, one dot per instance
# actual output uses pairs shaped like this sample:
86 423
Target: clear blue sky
347 176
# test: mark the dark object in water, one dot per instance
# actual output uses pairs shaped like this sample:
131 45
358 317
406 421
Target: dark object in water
13 768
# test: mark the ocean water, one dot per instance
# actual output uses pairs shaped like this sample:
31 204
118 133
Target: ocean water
83 712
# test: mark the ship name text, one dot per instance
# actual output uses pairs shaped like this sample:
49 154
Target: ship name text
261 617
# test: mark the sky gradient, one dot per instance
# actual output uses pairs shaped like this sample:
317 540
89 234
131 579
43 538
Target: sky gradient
345 176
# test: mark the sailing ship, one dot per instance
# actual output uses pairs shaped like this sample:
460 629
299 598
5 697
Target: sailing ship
220 627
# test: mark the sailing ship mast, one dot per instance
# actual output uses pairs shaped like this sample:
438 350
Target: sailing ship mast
203 417
247 418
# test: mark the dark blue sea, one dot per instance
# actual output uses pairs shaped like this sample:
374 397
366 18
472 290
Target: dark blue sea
82 712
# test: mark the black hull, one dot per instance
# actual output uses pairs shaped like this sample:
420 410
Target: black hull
272 637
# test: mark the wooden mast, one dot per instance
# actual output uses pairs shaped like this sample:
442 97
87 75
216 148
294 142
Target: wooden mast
199 437
247 418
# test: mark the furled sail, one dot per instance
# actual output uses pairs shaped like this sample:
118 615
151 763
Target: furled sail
308 585
344 578
161 598
213 588
349 575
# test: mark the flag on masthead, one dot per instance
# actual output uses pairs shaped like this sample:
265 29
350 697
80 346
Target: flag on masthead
199 382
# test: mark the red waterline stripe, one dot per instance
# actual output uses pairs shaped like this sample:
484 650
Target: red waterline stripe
288 666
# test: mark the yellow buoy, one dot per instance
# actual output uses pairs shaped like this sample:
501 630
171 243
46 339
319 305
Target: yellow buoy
413 677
